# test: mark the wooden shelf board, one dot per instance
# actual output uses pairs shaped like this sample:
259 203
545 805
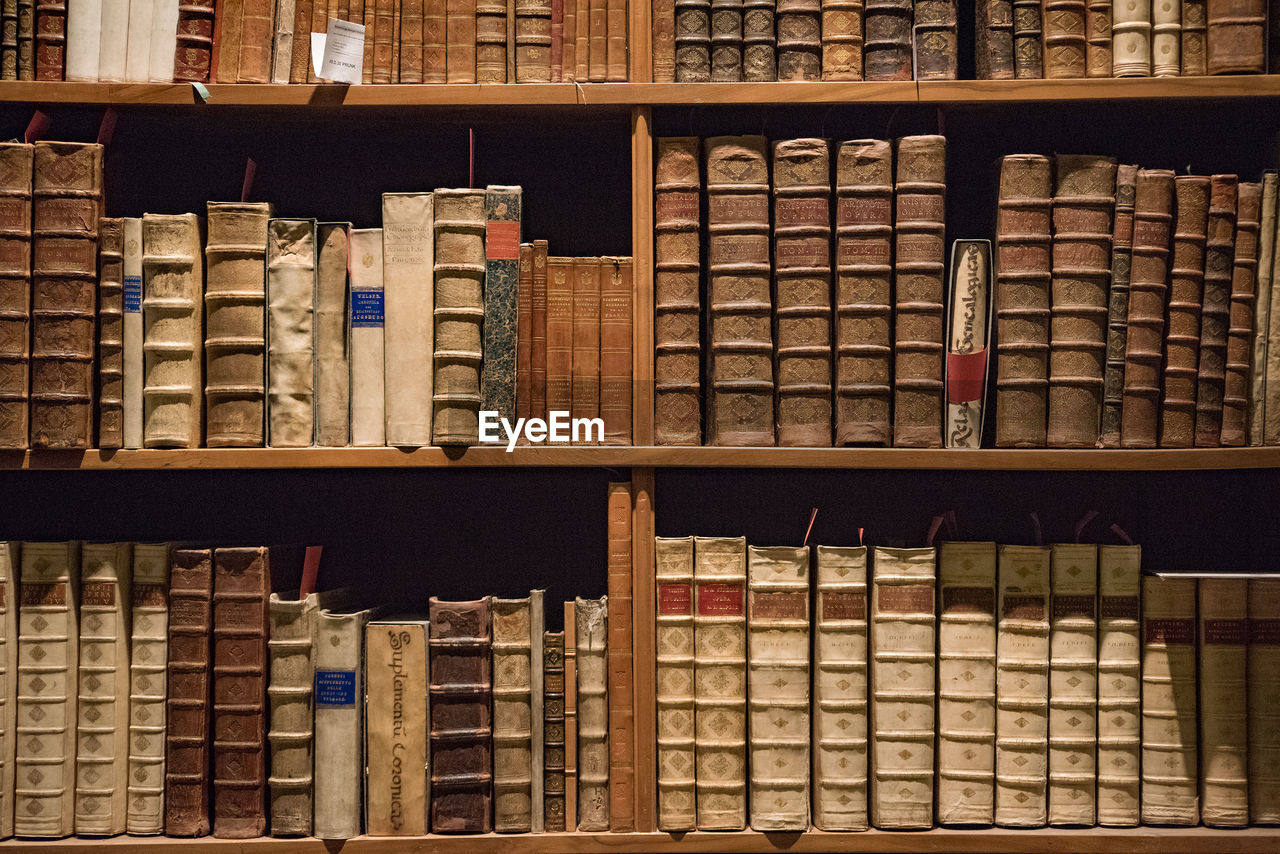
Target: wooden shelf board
1094 89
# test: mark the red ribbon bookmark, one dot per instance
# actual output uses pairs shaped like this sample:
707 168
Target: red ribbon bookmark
250 170
808 530
37 127
310 569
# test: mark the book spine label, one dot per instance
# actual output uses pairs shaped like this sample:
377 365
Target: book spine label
396 729
502 292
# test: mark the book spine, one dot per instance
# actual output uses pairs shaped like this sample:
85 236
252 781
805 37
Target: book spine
300 69
556 58
1169 767
616 284
663 43
408 255
560 318
621 681
675 693
1144 350
460 41
593 714
332 369
886 46
257 24
1236 37
384 70
132 333
290 693
693 41
26 40
366 321
195 42
411 57
677 303
1262 309
1224 744
1118 306
291 287
188 750
512 717
15 292
1194 48
9 43
1028 50
1073 685
966 367
459 314
1065 45
434 22
585 371
84 40
162 46
534 41
339 723
582 42
1240 318
491 42
10 563
50 39
1131 39
570 717
935 39
994 40
759 56
1186 295
1263 676
726 41
1166 37
1269 361
396 656
148 663
537 710
1119 685
524 332
1220 238
110 390
173 279
503 325
1097 50
553 735
538 335
841 39
616 35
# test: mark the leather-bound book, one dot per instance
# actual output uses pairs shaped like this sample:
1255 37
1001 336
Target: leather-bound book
339 723
586 340
538 335
966 683
533 41
593 40
491 43
1194 49
9 46
173 281
10 565
84 39
434 22
886 42
726 41
570 71
366 320
235 326
1224 744
148 662
1073 685
66 206
110 430
26 39
741 370
241 585
616 49
759 60
560 282
919 268
257 24
1186 294
1118 305
553 735
799 40
663 45
1144 348
1219 257
512 716
1259 431
411 59
1028 50
864 291
382 34
300 68
591 636
675 691
186 766
460 41
332 344
537 701
1131 38
15 291
802 277
1064 38
1169 768
408 256
195 42
937 50
621 680
842 39
50 39
291 695
459 314
615 349
693 41
1119 685
570 717
396 656
1082 222
1244 280
524 331
461 727
1166 38
993 51
1097 33
677 272
502 293
283 46
132 333
1263 676
291 287
1236 37
319 23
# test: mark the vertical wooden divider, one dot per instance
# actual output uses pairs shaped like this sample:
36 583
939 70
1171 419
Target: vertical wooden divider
639 42
644 650
642 277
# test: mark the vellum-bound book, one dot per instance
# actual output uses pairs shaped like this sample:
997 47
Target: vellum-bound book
1223 636
674 576
1119 684
591 636
1073 684
1169 767
172 319
368 394
9 564
1264 712
512 716
396 666
148 666
339 723
291 286
408 259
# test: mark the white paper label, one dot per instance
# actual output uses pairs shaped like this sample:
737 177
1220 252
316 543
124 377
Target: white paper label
339 55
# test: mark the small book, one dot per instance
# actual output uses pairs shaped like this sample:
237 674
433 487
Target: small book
675 693
1170 772
591 636
969 309
1224 744
339 723
1263 676
1073 684
395 665
553 735
1119 685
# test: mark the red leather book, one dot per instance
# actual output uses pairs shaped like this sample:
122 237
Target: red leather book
194 54
186 796
51 39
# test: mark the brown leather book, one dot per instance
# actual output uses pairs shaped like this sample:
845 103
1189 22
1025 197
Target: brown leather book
1236 43
1244 284
802 285
257 29
560 282
459 315
491 42
383 41
1028 51
664 41
110 333
195 41
241 587
395 42
411 58
693 41
434 59
799 39
621 680
597 44
886 44
319 23
616 47
1118 305
1186 293
919 267
586 339
1082 212
1064 38
677 271
993 51
524 331
186 771
1144 349
842 39
533 41
538 347
225 66
553 734
51 39
864 293
741 358
15 291
9 40
26 39
937 50
615 349
1195 20
1219 259
461 688
460 41
1097 37
759 59
67 203
300 59
569 43
726 41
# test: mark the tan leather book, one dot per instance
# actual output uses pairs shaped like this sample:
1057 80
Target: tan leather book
188 749
582 41
459 313
842 39
300 70
1224 750
384 70
726 41
50 39
512 721
332 341
593 714
291 697
102 708
148 662
1144 351
396 656
1028 49
1082 222
1073 685
15 291
110 391
1131 39
26 40
66 206
1219 260
9 44
10 565
1064 38
919 268
663 42
1186 293
802 285
693 41
538 345
1263 676
1097 48
433 41
621 680
1270 392
411 55
45 754
759 57
396 22
839 703
674 686
319 23
524 332
291 289
460 41
677 270
935 38
886 50
408 256
616 46
966 683
1240 318
491 42
1262 309
1022 687
993 37
533 41
615 349
553 732
864 236
339 723
1194 48
368 341
537 710
559 349
1166 37
173 282
586 342
799 40
570 717
1235 38
1169 770
1119 685
568 42
257 24
1118 306
903 648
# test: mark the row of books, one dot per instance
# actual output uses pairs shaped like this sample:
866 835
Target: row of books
696 41
967 684
302 333
270 41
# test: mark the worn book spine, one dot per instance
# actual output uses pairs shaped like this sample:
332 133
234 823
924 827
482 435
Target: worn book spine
332 342
677 303
1097 49
512 716
799 40
1236 37
459 314
693 41
1262 309
524 332
726 41
1270 392
559 347
553 734
1219 256
110 390
290 693
1144 349
382 33
434 20
1119 685
15 291
50 39
1186 294
1131 38
10 565
148 662
887 42
491 43
538 332
26 40
1022 687
616 283
571 72
593 44
408 257
993 47
585 371
759 55
9 50
163 43
903 692
1223 648
842 39
663 44
537 702
411 56
1240 316
498 382
339 723
935 39
84 39
1169 767
186 767
397 711
172 316
674 686
66 207
1166 37
591 636
1118 306
291 288
365 321
966 683
621 680
616 46
969 297
863 292
1263 676
1073 684
1194 48
1028 49
283 45
192 59
132 334
460 41
257 24
1064 38
570 716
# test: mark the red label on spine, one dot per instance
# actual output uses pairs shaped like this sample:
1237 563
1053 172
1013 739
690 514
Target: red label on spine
98 593
1119 607
1265 632
502 241
1067 607
675 598
1171 631
1226 632
905 599
844 606
44 594
1015 606
969 600
780 605
966 376
719 599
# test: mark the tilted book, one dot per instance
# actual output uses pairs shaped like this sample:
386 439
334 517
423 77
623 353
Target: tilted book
408 259
591 636
886 52
332 341
10 566
290 694
674 683
1186 295
16 160
1073 684
512 716
366 319
291 288
339 724
1131 38
501 292
148 665
396 666
1169 768
842 39
1263 676
677 268
935 39
1118 306
621 679
1262 307
968 318
188 751
1224 744
459 315
1119 685
172 318
1064 38
1240 319
110 388
461 728
553 735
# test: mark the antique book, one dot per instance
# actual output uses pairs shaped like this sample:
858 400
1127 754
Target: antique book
491 43
332 351
1131 38
919 267
1028 51
383 39
993 33
559 349
674 685
1064 38
616 283
1270 399
537 704
512 716
110 391
15 291
591 636
662 46
83 24
799 40
339 723
1022 687
148 663
9 46
1166 37
10 566
864 230
1262 309
616 47
408 258
26 40
173 280
1119 685
396 667
291 653
291 289
459 314
966 683
1073 684
283 43
693 41
411 56
132 334
842 39
1194 49
1144 348
759 56
585 371
257 24
570 717
185 794
1223 636
102 707
66 206
569 58
235 326
935 39
461 691
1244 281
1182 337
1219 258
1118 306
887 42
1169 768
460 41
552 723
162 45
839 701
194 36
501 291
677 269
45 732
241 586
593 43
968 316
1097 50
620 680
720 686
726 41
1263 675
368 393
523 396
538 335
741 371
778 692
434 21
1236 42
802 284
50 39
1082 209
903 645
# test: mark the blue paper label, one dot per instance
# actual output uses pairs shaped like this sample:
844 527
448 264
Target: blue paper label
366 308
335 688
133 294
